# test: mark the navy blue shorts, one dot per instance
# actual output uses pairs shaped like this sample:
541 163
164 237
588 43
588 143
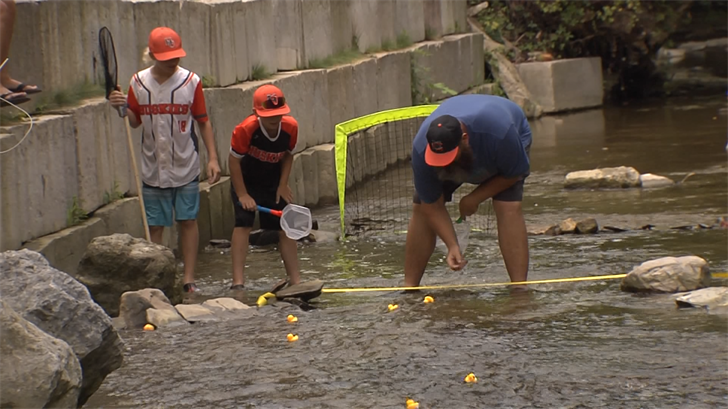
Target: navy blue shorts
262 197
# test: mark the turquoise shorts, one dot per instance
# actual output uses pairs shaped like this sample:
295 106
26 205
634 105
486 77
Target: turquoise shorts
159 203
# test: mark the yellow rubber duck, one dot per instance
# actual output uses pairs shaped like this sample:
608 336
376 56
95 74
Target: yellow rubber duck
292 338
149 327
292 318
263 299
392 307
470 378
428 300
411 404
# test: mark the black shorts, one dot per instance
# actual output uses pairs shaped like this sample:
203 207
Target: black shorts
263 197
512 194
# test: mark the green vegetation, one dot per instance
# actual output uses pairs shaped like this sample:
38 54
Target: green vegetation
259 72
422 89
75 213
208 81
342 57
68 97
626 34
114 195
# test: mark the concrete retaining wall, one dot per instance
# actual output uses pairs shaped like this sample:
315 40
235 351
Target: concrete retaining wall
224 39
564 85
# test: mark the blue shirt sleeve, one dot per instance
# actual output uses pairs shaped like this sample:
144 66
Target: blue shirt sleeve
427 184
511 158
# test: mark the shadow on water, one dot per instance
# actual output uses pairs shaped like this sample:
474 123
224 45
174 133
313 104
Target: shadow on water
582 344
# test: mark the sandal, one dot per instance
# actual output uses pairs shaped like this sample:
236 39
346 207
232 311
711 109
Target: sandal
7 99
21 88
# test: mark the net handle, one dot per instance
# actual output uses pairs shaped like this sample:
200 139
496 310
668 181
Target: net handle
277 213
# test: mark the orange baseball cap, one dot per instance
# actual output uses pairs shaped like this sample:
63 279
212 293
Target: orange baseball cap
165 44
268 100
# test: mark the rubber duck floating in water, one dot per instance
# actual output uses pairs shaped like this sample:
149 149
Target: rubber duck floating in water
470 378
411 404
392 307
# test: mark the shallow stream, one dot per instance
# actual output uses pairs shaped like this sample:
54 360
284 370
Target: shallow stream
565 345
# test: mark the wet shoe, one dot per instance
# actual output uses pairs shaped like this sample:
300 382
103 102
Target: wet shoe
237 287
190 288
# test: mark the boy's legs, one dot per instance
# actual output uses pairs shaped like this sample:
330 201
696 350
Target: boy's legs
186 208
241 234
287 247
158 207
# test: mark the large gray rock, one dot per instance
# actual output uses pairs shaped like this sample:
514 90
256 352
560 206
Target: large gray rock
619 177
648 180
115 264
39 371
711 299
62 307
148 305
668 275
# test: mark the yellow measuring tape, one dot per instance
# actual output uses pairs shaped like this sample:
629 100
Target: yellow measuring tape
455 286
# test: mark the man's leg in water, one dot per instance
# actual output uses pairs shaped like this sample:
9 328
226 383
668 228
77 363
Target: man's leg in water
512 238
418 248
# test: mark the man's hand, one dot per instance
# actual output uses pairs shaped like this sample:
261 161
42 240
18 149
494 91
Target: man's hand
468 206
455 259
285 193
247 202
213 171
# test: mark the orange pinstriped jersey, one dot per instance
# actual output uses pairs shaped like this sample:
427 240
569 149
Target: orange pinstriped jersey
169 145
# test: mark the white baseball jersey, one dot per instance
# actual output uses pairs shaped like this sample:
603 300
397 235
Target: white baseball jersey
169 144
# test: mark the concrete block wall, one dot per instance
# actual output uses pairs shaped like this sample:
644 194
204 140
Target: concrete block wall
224 39
564 85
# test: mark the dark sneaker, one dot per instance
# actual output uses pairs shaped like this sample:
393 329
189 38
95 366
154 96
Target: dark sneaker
237 287
190 288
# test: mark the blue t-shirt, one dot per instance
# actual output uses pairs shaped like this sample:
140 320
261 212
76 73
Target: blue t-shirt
498 133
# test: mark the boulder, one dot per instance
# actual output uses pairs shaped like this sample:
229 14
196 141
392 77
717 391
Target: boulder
668 275
62 307
115 264
619 177
196 312
148 305
711 299
648 180
39 371
587 226
567 226
322 236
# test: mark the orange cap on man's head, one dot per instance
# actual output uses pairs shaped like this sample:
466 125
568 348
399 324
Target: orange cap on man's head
268 100
165 44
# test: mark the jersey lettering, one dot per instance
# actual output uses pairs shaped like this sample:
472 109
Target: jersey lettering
164 109
270 157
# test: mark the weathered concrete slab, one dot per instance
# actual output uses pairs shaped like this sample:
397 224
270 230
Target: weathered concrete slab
327 189
340 85
196 313
148 14
95 176
317 29
65 248
228 45
226 107
296 181
219 200
393 80
122 216
227 211
364 75
365 18
194 29
454 15
203 217
341 25
307 94
410 19
433 19
289 34
309 166
36 198
386 24
564 85
261 42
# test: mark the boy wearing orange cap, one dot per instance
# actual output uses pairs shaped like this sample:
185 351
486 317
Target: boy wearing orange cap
164 99
260 164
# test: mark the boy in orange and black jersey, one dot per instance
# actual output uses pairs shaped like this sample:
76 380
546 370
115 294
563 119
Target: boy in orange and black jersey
260 164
